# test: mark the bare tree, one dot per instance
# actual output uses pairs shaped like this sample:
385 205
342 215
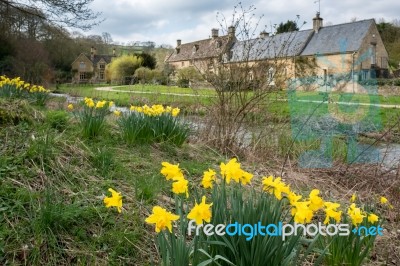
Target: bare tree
251 68
74 14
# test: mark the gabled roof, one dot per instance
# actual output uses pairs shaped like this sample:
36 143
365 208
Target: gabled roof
97 58
280 45
202 49
341 38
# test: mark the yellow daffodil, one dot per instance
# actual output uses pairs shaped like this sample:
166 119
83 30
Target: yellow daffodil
171 171
201 212
175 111
231 170
355 214
161 218
293 198
275 186
245 177
383 200
353 198
316 201
100 104
114 201
117 113
372 218
89 102
332 212
70 107
180 187
208 178
110 104
302 213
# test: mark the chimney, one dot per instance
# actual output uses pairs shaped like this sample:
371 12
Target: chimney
214 33
92 53
178 42
317 23
95 51
231 31
264 34
113 51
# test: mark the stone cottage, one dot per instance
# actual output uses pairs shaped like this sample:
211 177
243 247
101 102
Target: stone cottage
91 68
352 50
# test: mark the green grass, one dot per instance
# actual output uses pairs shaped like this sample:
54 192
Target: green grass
167 89
128 98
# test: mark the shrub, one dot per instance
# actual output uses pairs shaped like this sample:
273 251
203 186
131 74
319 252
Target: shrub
57 119
123 66
144 75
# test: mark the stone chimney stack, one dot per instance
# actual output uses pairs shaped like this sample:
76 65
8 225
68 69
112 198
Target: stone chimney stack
214 33
264 34
231 32
317 23
92 53
178 43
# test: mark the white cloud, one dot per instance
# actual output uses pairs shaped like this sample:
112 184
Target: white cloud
165 21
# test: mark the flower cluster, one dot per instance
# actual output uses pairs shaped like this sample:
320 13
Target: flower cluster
21 85
232 171
155 110
89 102
304 211
173 172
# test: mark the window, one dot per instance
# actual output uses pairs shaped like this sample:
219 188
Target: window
373 54
364 74
325 75
82 65
271 73
101 75
102 66
82 75
183 64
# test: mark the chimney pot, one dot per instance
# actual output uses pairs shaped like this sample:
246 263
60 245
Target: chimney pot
264 34
91 53
317 23
178 42
214 33
231 31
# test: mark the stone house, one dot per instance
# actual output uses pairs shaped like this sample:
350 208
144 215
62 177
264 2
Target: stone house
91 68
348 51
203 54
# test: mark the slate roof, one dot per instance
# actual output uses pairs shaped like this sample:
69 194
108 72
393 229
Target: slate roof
202 49
97 58
340 38
280 45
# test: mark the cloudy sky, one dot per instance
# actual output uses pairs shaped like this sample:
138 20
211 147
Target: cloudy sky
164 21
